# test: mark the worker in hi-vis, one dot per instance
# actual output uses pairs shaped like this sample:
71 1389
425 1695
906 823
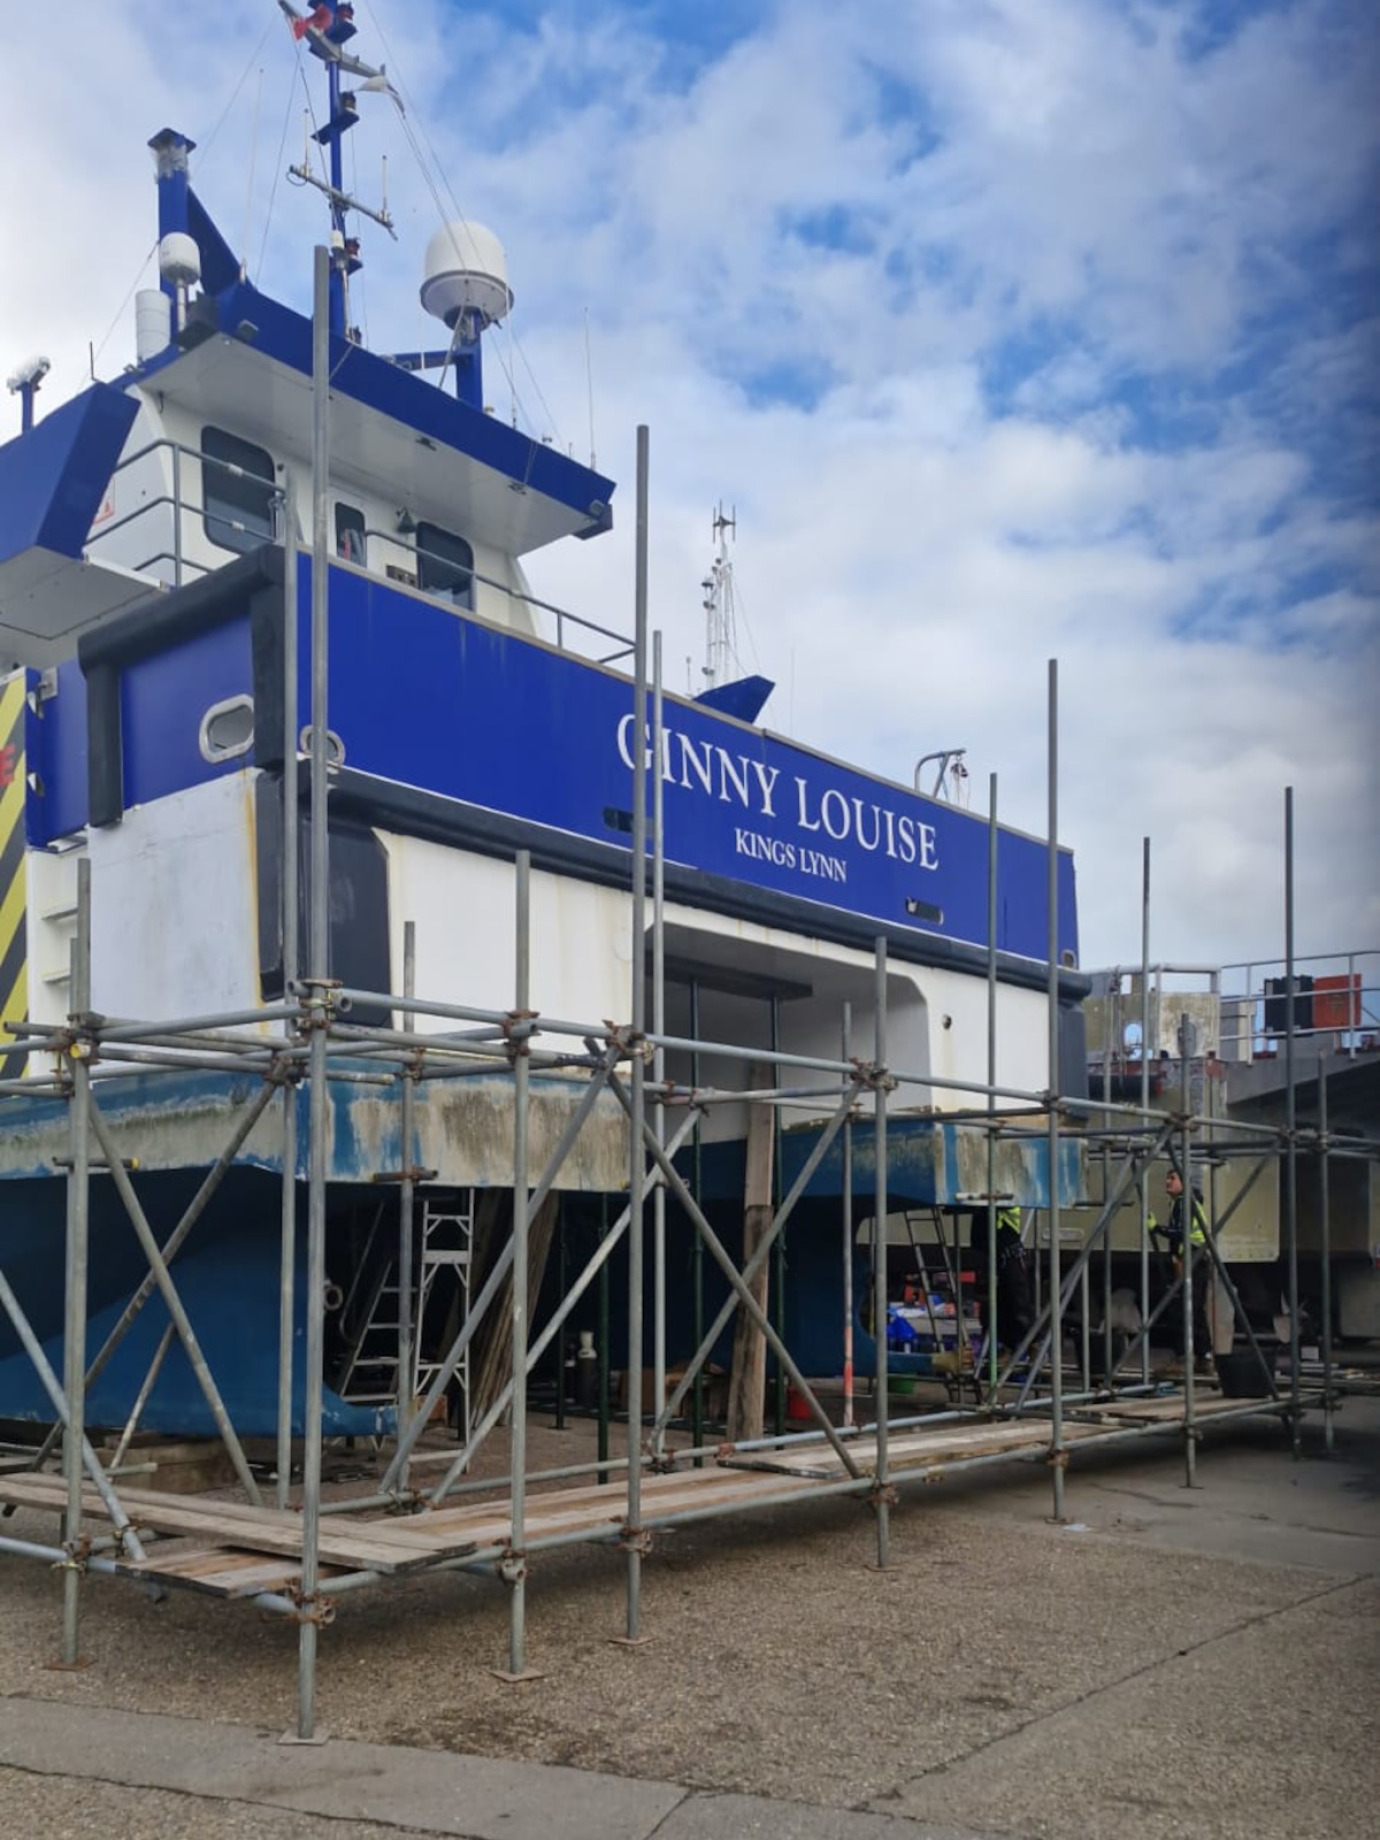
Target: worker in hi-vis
1015 1283
1203 1277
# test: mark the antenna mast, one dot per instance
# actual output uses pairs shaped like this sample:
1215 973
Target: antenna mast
720 619
328 28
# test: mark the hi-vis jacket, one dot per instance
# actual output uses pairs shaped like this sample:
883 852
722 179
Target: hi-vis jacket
1174 1231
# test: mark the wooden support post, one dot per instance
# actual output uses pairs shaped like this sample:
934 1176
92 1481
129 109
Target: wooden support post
493 1361
747 1386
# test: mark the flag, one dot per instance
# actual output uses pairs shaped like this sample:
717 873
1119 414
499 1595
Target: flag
380 85
320 19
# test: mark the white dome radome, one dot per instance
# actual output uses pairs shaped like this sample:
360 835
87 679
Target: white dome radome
179 259
466 272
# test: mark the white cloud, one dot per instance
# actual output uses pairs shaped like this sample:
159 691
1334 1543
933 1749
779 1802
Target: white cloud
897 204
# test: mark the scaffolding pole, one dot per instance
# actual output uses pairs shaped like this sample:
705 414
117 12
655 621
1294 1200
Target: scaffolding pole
658 1055
1325 1229
290 922
880 1495
991 1209
319 1007
515 1567
1291 1164
78 1225
634 1539
1058 1456
408 1332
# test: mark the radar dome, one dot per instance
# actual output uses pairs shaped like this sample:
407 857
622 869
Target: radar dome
179 259
466 272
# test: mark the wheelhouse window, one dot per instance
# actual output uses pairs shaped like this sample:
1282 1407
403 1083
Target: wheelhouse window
237 505
349 533
445 564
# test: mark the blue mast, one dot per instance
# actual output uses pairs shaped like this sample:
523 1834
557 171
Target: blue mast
170 152
342 117
328 29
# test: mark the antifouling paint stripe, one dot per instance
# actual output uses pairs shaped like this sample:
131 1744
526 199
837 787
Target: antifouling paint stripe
14 955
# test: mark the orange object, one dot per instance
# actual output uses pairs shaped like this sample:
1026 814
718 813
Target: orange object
1337 1002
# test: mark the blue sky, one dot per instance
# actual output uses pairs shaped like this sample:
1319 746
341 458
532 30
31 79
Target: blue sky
1013 328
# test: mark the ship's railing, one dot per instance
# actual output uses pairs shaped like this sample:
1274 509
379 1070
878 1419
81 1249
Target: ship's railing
1336 994
562 616
570 627
1245 1005
178 502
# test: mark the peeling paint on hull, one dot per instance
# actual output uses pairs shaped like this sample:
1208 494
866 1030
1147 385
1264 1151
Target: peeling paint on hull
464 1129
227 1273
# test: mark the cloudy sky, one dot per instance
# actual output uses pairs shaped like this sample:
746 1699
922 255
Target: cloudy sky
1013 329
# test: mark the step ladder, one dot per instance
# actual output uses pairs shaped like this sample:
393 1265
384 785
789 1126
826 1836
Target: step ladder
370 1372
442 1244
447 1244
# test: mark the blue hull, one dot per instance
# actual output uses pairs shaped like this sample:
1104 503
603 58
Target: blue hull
227 1278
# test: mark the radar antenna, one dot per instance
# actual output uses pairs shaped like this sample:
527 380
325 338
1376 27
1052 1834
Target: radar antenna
720 616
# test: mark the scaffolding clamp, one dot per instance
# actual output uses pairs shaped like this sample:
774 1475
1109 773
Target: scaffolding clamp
76 1553
81 1040
882 1494
512 1567
635 1539
122 1537
317 1008
662 1463
518 1027
631 1043
284 1071
1058 1456
317 1610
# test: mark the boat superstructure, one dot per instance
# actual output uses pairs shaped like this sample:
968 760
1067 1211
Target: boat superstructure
157 582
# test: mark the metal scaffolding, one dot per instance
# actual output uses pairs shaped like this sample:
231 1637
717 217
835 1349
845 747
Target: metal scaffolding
302 1555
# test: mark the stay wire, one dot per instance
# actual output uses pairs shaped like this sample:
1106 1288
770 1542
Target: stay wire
396 77
205 150
436 199
277 173
210 140
124 304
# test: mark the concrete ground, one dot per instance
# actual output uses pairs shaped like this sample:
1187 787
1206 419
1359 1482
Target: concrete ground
1169 1663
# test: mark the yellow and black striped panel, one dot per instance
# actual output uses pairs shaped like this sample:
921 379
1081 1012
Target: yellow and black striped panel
14 930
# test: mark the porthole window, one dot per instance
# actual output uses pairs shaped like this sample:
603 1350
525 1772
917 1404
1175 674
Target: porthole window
227 729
